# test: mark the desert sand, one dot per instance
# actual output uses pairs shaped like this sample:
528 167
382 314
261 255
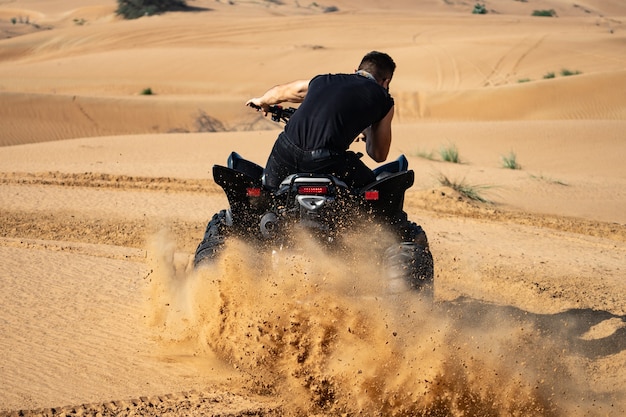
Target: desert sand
105 193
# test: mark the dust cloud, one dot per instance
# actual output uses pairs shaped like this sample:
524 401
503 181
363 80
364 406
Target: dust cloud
322 335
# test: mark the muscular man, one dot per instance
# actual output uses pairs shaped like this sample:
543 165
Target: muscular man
336 109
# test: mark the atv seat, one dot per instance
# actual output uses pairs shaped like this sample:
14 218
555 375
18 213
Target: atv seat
399 165
236 162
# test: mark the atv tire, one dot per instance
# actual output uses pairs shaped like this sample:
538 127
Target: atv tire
410 263
214 238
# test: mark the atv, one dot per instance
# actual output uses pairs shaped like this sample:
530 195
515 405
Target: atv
324 207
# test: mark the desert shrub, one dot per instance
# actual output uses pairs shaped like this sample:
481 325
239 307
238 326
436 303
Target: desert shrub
133 9
510 161
479 9
450 154
473 192
146 92
544 13
425 155
565 72
524 80
549 75
331 9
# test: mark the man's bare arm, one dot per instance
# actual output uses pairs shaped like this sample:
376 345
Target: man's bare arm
293 92
378 136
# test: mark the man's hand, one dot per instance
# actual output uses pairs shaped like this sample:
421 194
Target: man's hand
259 105
366 133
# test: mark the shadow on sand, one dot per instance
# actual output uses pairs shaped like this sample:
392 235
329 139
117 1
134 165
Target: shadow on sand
574 330
188 8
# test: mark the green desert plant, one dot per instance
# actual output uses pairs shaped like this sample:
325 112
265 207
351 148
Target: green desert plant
523 80
544 13
565 72
450 154
133 9
479 9
146 92
469 191
510 161
425 155
549 75
548 179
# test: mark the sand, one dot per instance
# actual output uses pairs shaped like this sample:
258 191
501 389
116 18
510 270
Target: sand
105 193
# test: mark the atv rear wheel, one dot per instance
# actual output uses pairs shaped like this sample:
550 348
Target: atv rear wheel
214 237
409 264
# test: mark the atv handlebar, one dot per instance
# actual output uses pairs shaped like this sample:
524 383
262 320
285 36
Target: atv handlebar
279 113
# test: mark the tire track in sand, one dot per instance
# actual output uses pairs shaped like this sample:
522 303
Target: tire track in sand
103 180
190 403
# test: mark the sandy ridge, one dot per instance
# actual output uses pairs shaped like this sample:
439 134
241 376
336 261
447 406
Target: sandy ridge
446 202
53 231
192 403
103 180
103 251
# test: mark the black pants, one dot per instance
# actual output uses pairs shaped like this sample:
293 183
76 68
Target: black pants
286 158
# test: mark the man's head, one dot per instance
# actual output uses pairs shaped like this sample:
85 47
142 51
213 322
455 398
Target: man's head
380 65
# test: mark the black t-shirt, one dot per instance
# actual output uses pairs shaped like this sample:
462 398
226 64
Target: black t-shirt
336 108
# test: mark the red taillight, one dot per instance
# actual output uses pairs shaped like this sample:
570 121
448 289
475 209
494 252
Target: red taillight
371 195
253 192
313 189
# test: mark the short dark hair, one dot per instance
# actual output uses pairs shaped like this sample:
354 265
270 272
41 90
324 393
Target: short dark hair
379 64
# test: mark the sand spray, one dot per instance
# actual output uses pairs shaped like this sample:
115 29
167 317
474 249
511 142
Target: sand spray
320 333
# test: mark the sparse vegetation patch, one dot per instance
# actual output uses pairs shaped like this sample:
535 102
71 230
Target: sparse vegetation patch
510 161
544 13
469 191
565 72
133 9
548 179
450 154
479 9
425 155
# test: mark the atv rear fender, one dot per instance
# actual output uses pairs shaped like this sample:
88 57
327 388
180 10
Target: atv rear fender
385 197
245 193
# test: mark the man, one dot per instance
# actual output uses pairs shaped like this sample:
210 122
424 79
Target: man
336 109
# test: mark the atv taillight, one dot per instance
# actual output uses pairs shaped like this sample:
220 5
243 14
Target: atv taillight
253 192
313 189
371 195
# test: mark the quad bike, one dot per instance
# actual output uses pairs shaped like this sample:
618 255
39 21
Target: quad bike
325 208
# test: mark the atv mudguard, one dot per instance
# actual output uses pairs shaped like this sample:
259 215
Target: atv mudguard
391 189
236 179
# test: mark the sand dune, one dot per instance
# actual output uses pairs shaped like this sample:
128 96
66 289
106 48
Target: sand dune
105 193
94 72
